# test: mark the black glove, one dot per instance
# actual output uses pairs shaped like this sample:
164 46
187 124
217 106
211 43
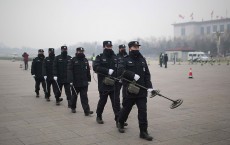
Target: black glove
154 93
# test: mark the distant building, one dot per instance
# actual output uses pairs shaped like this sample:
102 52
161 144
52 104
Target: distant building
189 30
178 54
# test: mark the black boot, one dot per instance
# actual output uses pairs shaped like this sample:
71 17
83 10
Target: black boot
144 134
99 120
58 101
87 113
69 103
48 99
73 110
47 96
120 127
37 94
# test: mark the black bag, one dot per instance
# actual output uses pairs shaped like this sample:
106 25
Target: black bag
132 88
108 81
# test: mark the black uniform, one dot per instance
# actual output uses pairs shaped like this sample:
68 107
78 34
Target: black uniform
161 59
79 73
135 64
36 70
101 65
48 71
120 57
165 60
60 70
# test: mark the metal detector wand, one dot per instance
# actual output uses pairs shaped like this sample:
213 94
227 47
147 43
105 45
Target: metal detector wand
175 103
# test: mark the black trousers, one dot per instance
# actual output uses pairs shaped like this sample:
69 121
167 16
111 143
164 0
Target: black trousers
118 90
38 81
165 64
50 82
141 103
160 63
67 90
115 101
83 96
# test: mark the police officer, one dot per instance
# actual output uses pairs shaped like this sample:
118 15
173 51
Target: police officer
161 59
121 54
79 73
48 73
105 65
60 75
135 68
36 71
165 60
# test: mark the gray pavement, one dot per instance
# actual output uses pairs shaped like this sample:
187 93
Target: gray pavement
203 118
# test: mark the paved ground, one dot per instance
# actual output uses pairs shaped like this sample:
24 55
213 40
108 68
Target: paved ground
203 118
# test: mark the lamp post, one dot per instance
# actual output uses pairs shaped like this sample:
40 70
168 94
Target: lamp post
218 42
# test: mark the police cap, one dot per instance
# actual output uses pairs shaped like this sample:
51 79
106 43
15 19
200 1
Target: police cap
40 50
121 46
133 43
63 47
51 49
80 49
108 43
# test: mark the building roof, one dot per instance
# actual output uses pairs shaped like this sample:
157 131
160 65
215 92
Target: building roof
180 49
202 22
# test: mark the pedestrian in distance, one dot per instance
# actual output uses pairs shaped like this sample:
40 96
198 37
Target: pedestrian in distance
161 59
25 59
165 60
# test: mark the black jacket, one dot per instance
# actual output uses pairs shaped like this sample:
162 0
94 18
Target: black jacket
37 67
48 68
79 72
60 68
165 58
136 66
121 57
101 66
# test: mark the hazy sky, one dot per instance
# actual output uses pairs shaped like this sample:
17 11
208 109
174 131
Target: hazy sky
52 23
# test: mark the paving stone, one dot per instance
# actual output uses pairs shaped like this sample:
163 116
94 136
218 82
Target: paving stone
11 142
48 143
3 130
222 142
36 139
178 141
203 118
209 137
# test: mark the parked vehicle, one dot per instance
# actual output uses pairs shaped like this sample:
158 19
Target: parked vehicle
198 56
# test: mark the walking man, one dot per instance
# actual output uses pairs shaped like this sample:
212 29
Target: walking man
36 71
60 75
165 60
25 59
79 73
105 65
135 69
48 73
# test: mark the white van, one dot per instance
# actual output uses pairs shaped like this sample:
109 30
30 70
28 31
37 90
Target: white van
197 56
